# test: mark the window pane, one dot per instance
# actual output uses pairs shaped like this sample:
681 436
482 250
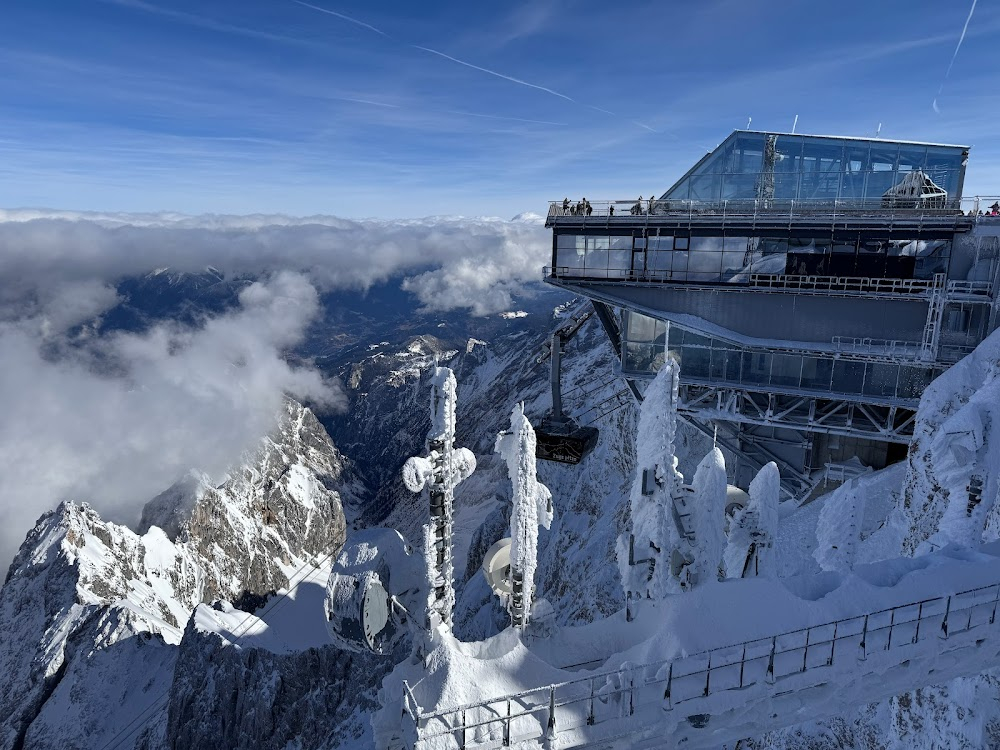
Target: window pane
785 369
848 376
640 327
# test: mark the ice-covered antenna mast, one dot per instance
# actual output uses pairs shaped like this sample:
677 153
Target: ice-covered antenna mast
444 467
532 505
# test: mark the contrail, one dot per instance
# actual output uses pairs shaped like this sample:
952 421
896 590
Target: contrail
494 73
958 46
355 21
503 76
504 117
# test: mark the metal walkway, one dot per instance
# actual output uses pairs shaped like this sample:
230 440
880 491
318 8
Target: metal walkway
736 691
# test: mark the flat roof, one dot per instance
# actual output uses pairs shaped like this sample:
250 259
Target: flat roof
852 138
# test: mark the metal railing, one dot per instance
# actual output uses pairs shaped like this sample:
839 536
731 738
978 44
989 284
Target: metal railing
543 712
918 287
772 281
973 288
977 208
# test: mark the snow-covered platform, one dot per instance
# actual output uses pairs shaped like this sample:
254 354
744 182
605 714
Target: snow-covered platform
723 662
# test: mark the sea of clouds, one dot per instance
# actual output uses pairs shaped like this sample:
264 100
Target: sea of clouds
113 419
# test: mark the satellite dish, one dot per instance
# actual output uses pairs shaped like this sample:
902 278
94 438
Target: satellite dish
736 500
375 580
374 612
496 567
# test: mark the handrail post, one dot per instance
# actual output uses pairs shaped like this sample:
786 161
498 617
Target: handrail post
920 614
864 640
506 727
996 599
591 718
631 692
670 683
769 675
805 651
833 643
743 661
462 743
550 729
708 675
892 621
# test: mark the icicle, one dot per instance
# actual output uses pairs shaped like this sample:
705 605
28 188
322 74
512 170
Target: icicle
440 472
532 505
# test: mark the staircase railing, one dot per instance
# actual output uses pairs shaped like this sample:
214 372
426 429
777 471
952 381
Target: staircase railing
544 712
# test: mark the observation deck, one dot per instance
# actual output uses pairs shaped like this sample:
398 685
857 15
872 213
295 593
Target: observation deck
946 217
810 287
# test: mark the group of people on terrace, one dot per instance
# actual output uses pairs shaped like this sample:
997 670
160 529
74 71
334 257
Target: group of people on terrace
993 210
580 208
583 207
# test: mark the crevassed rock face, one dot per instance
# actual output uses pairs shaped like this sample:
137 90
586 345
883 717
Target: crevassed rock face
952 479
280 506
83 596
255 699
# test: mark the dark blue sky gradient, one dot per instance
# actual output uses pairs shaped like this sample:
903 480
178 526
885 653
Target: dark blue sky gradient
270 106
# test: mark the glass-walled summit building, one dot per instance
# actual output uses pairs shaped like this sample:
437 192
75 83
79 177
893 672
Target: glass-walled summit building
810 288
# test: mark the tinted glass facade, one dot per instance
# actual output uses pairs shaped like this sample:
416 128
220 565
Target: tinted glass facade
753 165
668 255
703 359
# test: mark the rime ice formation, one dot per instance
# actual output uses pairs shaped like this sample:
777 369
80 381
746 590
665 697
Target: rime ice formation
531 506
678 536
444 467
708 511
838 529
752 532
380 556
952 481
645 561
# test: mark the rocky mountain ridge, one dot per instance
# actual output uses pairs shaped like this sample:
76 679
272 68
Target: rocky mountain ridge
82 590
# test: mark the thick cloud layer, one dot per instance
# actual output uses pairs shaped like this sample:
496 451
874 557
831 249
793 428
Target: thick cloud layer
115 419
451 263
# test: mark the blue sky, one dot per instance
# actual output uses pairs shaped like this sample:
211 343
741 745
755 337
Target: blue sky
374 109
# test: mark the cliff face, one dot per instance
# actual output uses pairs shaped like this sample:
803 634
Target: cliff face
93 613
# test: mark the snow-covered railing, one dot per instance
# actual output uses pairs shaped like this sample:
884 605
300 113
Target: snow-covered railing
605 704
841 472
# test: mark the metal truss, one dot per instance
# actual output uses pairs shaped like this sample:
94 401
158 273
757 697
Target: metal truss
892 424
794 482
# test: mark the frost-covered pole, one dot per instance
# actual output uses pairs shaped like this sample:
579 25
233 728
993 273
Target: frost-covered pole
708 514
644 555
440 472
531 506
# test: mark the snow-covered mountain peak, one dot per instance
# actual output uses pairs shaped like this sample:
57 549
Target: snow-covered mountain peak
80 587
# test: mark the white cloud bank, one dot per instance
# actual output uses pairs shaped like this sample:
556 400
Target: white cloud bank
115 419
462 257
